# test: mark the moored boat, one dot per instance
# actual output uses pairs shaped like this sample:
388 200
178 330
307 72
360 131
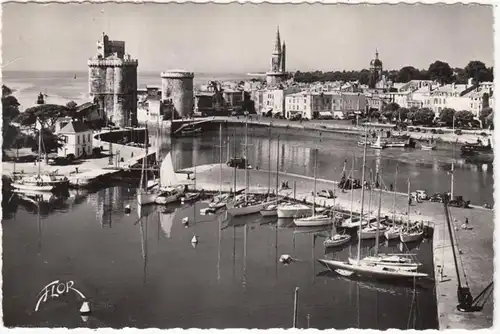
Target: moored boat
392 233
371 232
393 260
287 210
337 240
269 211
316 220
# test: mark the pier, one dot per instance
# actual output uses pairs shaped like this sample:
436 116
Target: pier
475 246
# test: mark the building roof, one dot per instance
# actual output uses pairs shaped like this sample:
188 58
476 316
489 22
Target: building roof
74 127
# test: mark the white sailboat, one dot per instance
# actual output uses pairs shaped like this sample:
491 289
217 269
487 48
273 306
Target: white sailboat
39 182
429 146
272 209
410 233
315 219
357 267
145 196
378 144
291 210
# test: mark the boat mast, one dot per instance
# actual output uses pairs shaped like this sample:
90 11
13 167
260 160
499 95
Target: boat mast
379 208
409 199
315 176
220 156
246 158
362 194
234 153
394 204
277 167
141 184
269 159
352 185
39 146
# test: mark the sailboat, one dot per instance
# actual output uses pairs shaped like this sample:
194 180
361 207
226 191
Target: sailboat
145 196
410 233
378 144
371 231
272 209
357 267
336 239
39 182
398 260
394 230
315 219
429 146
352 222
248 206
219 201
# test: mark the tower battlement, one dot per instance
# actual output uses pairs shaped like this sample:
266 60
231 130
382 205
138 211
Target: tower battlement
112 62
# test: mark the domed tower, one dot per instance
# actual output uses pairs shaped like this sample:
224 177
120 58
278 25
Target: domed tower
375 71
277 73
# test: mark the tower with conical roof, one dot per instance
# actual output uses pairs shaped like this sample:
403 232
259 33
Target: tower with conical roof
277 73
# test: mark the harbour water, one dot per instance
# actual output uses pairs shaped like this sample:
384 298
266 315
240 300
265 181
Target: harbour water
427 170
145 272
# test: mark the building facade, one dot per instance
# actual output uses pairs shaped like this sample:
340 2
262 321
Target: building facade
77 140
277 73
113 82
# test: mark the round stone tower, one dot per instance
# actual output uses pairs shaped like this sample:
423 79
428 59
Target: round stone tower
177 86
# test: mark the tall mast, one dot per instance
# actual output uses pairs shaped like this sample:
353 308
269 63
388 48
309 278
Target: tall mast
269 159
39 147
408 221
394 204
246 158
352 185
362 193
379 208
277 166
234 169
315 168
220 155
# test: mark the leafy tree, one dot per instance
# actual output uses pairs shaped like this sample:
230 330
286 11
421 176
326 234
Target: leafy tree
401 114
441 72
477 71
10 111
389 109
460 76
486 100
46 113
407 74
446 116
463 117
485 112
50 142
424 116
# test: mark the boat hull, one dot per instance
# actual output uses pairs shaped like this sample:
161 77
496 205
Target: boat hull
364 235
32 187
292 212
166 199
410 237
247 210
269 213
146 198
376 260
313 221
391 234
334 243
379 272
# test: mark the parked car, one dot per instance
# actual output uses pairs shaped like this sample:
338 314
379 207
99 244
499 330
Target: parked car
237 162
459 202
484 134
437 198
439 131
422 194
326 194
458 132
59 161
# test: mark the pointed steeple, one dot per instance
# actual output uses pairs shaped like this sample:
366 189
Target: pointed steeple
277 43
283 58
376 53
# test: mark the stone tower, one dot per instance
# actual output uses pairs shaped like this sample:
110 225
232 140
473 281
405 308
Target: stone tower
278 67
113 82
376 69
177 87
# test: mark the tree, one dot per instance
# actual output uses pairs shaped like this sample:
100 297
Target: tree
485 112
441 72
463 117
486 100
446 116
389 109
424 116
407 74
10 111
46 113
477 71
50 142
401 114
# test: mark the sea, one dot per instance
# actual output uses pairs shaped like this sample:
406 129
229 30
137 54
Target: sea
60 87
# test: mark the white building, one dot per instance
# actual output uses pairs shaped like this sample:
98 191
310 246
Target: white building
299 104
274 99
77 140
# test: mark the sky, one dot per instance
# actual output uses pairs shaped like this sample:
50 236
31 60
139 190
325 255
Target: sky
235 38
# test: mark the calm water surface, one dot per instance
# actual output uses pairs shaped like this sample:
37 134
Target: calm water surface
428 170
145 272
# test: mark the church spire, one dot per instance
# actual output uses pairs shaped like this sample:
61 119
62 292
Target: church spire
277 43
376 53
